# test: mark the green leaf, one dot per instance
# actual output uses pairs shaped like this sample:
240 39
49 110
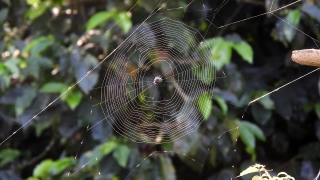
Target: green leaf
36 46
3 14
7 155
53 87
31 2
12 65
221 52
205 105
99 18
293 19
25 100
74 99
317 108
222 103
42 170
244 50
266 101
246 136
61 165
124 21
254 129
36 11
107 147
121 154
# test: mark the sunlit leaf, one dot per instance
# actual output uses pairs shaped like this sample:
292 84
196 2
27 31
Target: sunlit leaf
205 105
293 19
221 52
74 99
61 165
42 170
121 153
244 50
99 18
124 21
36 11
53 87
252 169
7 155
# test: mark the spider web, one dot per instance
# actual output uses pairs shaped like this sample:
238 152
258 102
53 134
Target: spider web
145 112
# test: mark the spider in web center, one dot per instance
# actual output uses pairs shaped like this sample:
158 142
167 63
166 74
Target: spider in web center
157 80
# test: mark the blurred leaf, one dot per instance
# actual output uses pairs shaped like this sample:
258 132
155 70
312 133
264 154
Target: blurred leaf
266 101
232 124
3 14
221 52
53 87
311 10
244 50
253 169
48 168
104 130
98 153
12 65
167 169
82 69
7 155
254 129
25 100
36 11
35 63
107 147
61 165
42 170
205 105
260 114
36 46
246 135
317 108
74 99
99 18
293 19
222 103
31 2
121 153
123 21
